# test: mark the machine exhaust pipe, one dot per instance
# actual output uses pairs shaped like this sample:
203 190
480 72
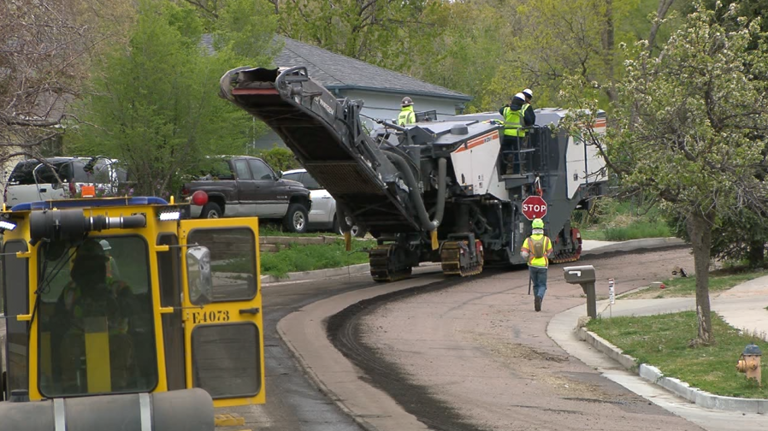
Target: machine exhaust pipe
421 210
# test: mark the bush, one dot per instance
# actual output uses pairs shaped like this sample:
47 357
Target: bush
281 159
611 219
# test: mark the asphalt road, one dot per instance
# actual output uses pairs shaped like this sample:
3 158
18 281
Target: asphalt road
475 355
293 403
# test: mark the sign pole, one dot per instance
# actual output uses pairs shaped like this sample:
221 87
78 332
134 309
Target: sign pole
611 296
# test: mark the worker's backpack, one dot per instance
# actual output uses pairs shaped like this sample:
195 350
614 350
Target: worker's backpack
538 247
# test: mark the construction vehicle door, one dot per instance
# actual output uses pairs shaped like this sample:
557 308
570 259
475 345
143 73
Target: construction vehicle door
223 337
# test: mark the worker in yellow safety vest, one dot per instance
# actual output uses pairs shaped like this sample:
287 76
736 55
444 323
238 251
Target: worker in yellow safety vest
536 251
113 273
407 116
527 109
517 117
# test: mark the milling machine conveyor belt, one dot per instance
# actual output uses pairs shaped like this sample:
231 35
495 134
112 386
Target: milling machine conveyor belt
327 136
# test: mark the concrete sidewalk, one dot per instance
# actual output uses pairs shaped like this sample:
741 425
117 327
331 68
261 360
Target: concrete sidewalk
742 306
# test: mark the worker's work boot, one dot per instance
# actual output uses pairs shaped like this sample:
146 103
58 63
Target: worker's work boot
537 303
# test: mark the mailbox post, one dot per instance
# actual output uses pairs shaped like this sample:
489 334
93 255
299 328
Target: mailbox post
585 276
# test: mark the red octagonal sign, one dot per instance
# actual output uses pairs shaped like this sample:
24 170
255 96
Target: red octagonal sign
534 207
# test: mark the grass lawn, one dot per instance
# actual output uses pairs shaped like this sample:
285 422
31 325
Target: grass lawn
662 341
304 258
636 230
621 220
722 279
276 230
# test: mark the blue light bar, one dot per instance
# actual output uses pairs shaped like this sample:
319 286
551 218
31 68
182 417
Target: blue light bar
89 203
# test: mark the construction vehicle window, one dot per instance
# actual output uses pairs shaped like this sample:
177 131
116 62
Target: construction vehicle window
241 166
233 261
223 359
15 299
96 332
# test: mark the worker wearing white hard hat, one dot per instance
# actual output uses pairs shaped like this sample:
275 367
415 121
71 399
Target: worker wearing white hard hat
527 108
528 94
516 123
112 270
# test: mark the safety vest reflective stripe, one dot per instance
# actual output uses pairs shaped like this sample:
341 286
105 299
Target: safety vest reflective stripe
541 262
513 122
406 117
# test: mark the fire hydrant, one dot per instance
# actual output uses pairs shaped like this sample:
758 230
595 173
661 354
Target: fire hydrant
749 363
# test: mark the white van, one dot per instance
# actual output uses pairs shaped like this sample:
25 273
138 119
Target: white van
33 180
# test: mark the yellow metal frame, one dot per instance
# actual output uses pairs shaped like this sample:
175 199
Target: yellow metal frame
154 228
150 233
232 307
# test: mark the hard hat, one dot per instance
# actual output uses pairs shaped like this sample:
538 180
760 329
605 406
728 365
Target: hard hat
528 92
105 245
90 249
520 96
406 102
537 223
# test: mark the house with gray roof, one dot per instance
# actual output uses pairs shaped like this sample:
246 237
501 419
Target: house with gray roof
381 90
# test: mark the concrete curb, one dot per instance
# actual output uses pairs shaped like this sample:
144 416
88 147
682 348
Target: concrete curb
636 244
352 270
317 274
676 386
319 383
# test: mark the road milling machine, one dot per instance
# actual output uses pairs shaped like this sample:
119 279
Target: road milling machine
124 314
432 191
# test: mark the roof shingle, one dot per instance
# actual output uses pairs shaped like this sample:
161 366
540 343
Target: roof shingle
336 71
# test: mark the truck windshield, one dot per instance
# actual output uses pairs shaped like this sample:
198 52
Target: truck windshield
68 170
22 173
95 327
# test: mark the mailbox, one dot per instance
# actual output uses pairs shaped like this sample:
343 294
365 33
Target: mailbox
579 274
585 276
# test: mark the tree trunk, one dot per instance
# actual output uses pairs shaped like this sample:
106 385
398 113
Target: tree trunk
700 232
661 13
608 45
756 255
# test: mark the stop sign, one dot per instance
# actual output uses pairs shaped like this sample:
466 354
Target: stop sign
534 207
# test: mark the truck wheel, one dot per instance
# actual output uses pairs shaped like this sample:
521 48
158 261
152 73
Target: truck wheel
336 228
296 219
211 210
355 230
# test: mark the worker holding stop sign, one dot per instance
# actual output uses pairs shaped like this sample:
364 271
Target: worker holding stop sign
537 248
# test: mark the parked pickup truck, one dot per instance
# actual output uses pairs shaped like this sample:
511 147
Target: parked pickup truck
244 186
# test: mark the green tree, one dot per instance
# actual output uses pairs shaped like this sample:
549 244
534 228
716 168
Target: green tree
469 53
386 33
688 127
45 48
153 104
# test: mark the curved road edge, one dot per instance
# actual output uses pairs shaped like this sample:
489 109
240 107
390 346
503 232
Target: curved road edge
304 333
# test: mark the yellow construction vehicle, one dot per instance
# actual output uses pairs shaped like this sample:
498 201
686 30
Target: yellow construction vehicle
122 313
